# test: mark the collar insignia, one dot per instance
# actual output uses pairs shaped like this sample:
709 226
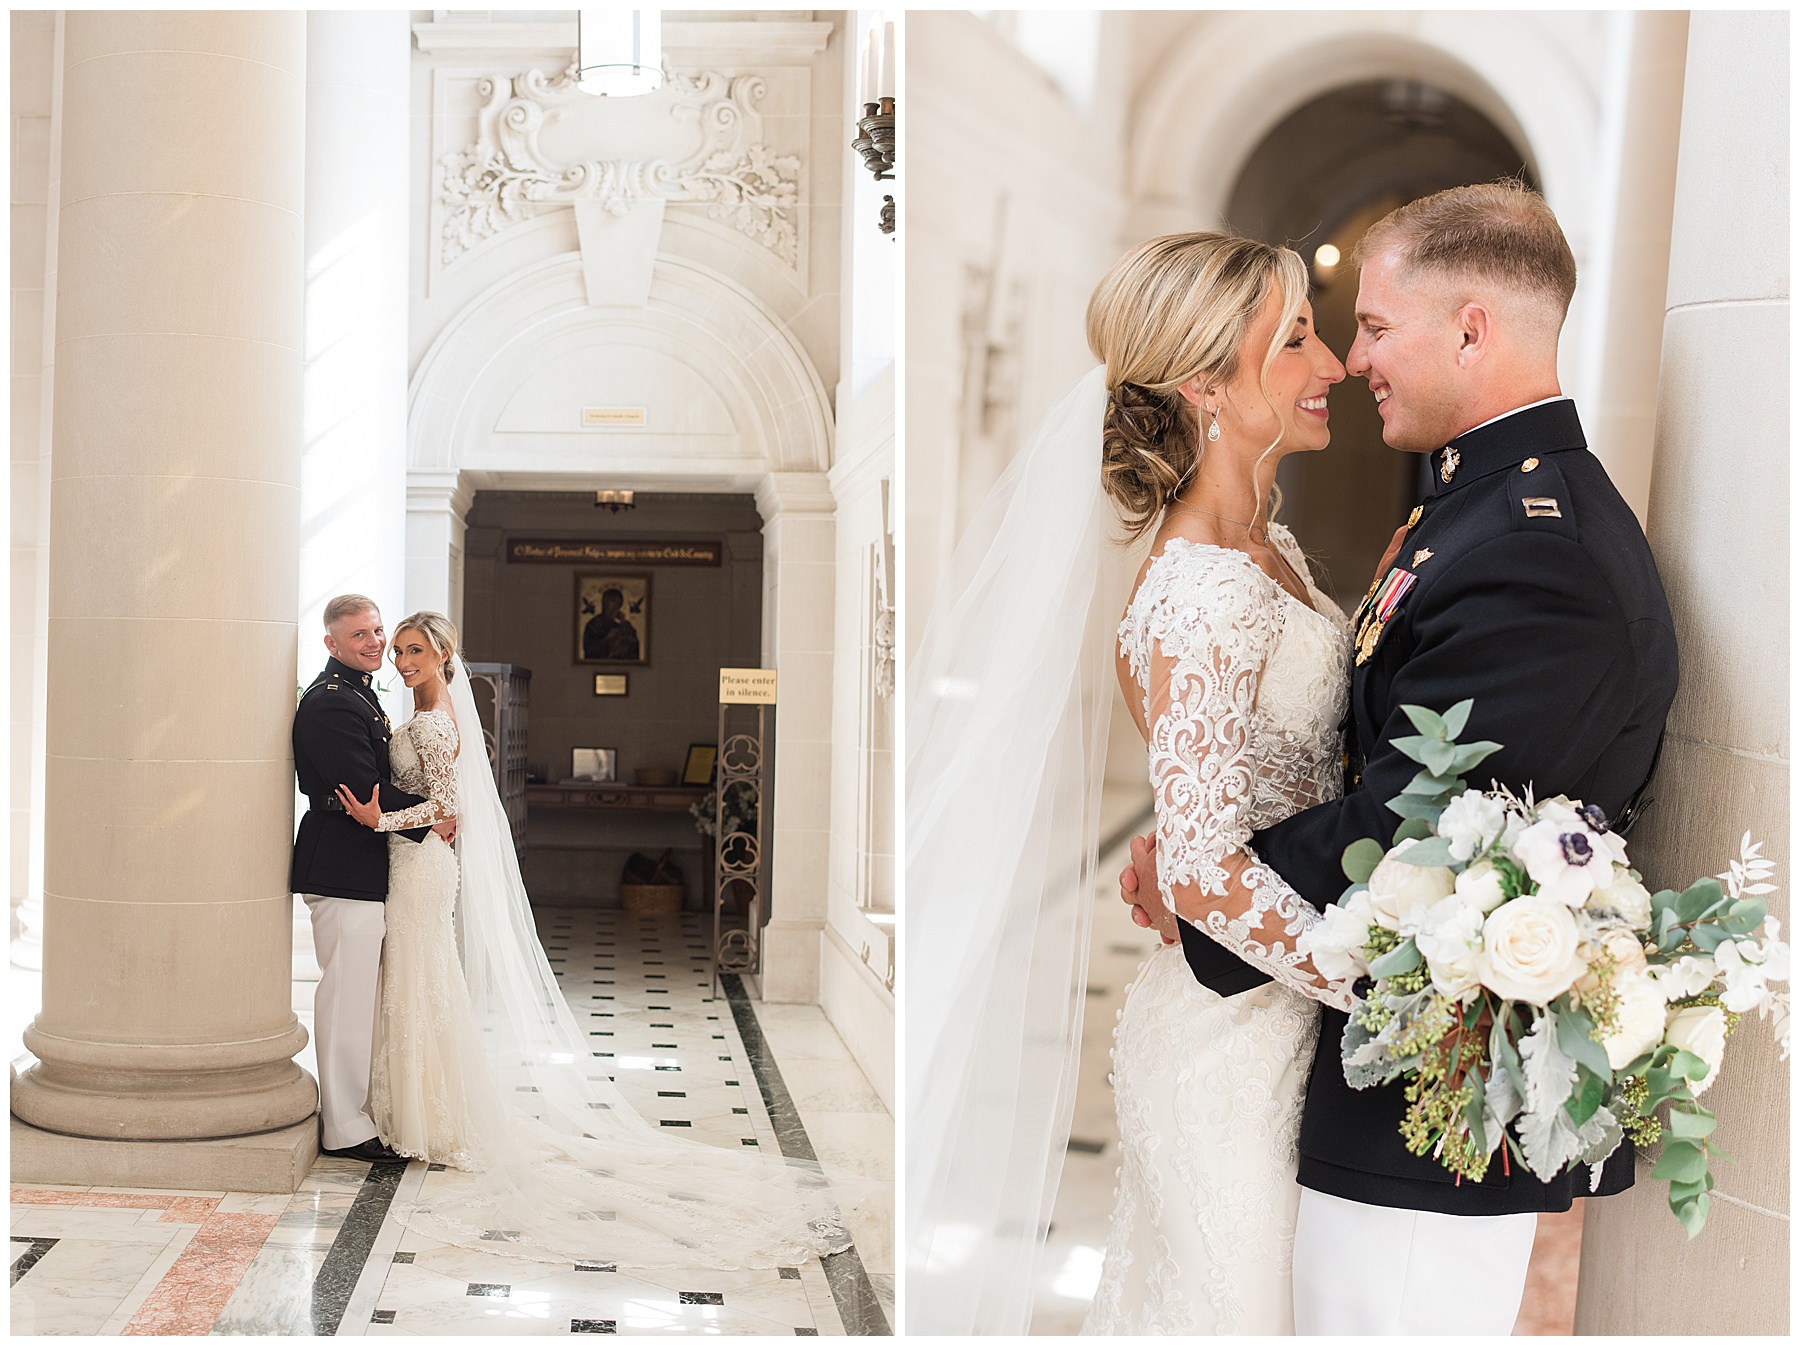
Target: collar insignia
1452 461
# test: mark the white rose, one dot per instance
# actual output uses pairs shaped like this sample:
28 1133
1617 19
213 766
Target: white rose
1449 938
1402 893
1565 861
1335 944
1699 1029
1530 950
1624 895
1625 949
1638 1021
1471 823
1480 884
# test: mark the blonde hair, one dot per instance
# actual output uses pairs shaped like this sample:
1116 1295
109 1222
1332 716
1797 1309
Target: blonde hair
1501 231
439 633
1173 309
347 605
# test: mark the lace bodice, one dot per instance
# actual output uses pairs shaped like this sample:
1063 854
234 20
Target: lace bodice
423 755
1243 688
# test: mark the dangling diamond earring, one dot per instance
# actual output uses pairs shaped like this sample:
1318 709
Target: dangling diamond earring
1212 432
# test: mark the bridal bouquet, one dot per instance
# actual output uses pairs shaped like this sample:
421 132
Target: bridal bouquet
1536 999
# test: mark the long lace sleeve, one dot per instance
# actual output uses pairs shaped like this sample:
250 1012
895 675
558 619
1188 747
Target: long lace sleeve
434 735
1210 636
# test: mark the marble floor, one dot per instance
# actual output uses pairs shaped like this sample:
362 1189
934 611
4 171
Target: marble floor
1070 1269
334 1259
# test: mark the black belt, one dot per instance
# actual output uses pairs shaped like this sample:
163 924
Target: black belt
327 804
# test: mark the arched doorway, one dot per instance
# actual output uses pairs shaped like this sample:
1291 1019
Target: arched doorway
1319 179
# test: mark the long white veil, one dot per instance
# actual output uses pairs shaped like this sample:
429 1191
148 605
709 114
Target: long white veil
573 1172
1008 703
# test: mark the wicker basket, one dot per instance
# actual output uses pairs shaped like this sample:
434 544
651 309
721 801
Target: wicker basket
651 899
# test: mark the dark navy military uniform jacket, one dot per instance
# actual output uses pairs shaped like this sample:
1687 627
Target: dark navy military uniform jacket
341 738
1535 594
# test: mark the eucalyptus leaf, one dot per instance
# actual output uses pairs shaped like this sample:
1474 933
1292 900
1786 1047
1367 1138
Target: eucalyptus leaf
1439 757
1413 829
1500 1046
1575 1035
1709 937
1681 1159
1698 900
1456 719
1428 786
1427 722
1360 859
1404 958
1470 755
1413 806
1692 1215
1413 745
1688 1065
1694 1123
1431 851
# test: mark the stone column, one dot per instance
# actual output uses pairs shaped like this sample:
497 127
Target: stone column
1719 527
174 531
799 569
437 508
36 99
1626 320
353 459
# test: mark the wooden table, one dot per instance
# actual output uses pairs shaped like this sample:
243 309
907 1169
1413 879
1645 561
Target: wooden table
616 796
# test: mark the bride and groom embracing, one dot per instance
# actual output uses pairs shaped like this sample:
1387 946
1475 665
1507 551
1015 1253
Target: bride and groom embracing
1257 1192
442 1033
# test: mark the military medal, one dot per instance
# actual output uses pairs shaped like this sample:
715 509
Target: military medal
1392 590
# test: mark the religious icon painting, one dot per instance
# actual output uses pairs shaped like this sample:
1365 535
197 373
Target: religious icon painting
612 619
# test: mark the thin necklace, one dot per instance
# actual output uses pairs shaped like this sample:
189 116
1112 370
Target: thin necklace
1195 509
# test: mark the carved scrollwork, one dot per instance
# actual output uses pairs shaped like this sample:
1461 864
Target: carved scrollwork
506 177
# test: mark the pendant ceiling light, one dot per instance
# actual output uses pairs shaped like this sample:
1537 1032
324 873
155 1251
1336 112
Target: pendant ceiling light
620 51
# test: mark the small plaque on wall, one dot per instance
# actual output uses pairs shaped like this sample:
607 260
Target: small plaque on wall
563 551
603 416
609 684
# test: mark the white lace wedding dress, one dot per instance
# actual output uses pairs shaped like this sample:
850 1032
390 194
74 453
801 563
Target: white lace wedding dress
545 1159
1244 687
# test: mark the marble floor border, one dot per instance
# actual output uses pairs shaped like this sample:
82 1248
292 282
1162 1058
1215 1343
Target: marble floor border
349 1256
29 1258
857 1304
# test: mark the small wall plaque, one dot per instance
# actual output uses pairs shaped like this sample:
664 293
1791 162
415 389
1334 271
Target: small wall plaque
602 416
609 684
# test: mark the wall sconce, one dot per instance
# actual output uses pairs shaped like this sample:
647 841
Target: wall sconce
876 143
615 500
619 51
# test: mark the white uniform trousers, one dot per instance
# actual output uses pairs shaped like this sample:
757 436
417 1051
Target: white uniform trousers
1377 1271
347 937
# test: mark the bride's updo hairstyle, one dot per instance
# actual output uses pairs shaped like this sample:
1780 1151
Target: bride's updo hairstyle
439 632
1173 309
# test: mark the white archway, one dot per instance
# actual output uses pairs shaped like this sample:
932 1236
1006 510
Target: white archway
729 394
731 403
1238 74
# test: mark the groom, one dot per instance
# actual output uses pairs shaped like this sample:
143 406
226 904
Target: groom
1525 583
340 867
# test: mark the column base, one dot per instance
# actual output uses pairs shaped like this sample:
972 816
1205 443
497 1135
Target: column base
275 1161
790 961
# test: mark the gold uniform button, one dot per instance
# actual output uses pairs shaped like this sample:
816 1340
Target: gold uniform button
1529 465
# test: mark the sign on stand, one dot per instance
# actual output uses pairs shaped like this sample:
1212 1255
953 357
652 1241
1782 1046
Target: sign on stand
740 817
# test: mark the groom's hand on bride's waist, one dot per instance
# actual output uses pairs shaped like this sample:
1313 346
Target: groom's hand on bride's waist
1140 876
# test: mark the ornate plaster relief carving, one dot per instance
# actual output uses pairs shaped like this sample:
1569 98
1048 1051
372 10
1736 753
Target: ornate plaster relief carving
507 176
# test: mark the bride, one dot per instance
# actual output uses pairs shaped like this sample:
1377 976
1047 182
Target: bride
479 1064
1235 668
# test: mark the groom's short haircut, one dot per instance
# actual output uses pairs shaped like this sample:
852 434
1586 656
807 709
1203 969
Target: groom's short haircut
346 605
1501 231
